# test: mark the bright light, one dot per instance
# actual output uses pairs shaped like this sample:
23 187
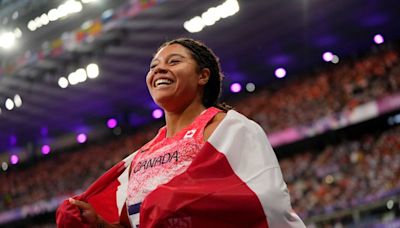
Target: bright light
9 104
4 166
228 8
327 56
92 70
390 204
212 15
81 138
14 159
112 123
17 100
73 78
236 87
378 39
46 149
7 40
81 74
63 82
335 59
53 14
196 24
250 87
44 20
280 73
32 25
89 1
17 33
157 113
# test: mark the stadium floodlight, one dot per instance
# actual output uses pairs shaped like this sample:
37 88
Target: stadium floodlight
7 40
195 24
81 74
63 82
9 104
212 15
280 72
236 87
17 100
73 78
92 70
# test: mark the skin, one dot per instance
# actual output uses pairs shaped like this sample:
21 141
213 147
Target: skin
181 101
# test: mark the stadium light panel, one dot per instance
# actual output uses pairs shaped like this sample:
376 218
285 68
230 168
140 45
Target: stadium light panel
7 40
212 15
327 56
63 82
4 166
250 87
112 123
378 39
157 113
14 159
280 72
236 87
46 149
81 138
9 104
92 70
17 100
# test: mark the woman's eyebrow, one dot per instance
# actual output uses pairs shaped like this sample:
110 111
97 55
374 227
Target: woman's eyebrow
169 56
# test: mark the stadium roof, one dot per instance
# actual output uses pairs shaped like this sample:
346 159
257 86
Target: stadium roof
251 44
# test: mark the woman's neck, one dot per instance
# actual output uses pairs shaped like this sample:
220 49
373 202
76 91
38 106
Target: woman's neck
176 121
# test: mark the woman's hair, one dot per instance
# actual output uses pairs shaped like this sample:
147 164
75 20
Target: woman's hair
205 58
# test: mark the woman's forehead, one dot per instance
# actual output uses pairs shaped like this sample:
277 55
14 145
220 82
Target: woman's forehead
171 50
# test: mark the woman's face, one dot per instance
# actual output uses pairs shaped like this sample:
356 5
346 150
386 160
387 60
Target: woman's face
173 79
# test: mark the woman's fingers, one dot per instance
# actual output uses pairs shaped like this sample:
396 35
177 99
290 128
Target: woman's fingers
88 213
82 205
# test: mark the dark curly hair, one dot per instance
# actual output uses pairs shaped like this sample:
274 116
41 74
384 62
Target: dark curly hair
205 58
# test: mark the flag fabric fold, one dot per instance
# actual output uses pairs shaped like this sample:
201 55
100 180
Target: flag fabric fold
234 181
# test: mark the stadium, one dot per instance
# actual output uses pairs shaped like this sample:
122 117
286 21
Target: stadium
322 79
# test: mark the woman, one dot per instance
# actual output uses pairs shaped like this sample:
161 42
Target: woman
208 166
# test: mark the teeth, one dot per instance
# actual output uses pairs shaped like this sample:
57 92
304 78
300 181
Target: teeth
162 81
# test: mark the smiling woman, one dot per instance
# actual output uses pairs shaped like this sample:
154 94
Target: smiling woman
208 166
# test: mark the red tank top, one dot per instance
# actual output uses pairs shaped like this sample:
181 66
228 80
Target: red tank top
163 158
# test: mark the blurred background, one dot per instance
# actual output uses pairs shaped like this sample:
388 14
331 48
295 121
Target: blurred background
321 77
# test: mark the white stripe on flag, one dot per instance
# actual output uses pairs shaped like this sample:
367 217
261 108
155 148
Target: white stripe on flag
253 160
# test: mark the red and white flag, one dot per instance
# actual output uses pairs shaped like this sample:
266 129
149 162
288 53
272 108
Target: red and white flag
234 181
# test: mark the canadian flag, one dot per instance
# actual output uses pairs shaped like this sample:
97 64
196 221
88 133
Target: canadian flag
234 181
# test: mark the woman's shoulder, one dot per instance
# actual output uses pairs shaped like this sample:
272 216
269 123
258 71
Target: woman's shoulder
213 124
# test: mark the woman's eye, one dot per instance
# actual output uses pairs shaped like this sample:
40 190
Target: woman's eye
174 61
152 66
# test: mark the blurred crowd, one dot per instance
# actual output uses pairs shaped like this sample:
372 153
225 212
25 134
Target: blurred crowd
339 176
305 99
344 175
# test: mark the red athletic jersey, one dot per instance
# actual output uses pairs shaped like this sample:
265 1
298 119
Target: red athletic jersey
162 159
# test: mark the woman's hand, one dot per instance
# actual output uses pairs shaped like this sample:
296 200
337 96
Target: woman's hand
88 213
90 216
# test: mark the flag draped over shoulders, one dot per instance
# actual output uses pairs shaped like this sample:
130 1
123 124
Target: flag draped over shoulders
234 181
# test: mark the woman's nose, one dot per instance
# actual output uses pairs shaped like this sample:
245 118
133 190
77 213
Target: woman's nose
160 69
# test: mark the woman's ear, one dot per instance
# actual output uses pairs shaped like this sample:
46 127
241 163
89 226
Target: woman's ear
204 76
